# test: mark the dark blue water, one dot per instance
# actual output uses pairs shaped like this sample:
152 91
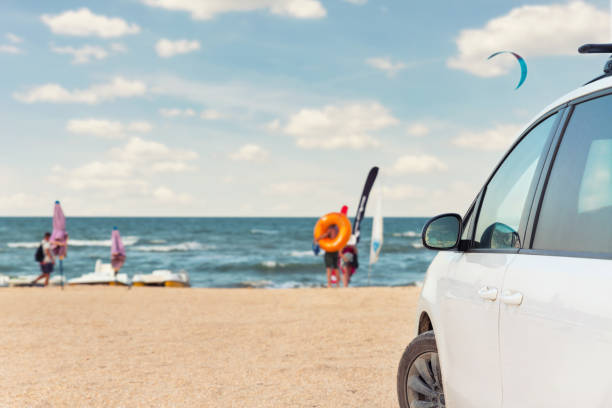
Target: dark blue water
218 252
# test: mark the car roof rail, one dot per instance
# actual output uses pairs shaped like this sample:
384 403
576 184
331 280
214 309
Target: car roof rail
599 49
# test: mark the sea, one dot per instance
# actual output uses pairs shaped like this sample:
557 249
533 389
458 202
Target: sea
219 252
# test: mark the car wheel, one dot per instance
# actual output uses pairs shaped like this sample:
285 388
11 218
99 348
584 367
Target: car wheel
419 378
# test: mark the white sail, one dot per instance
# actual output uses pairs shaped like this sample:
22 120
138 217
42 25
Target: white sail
377 231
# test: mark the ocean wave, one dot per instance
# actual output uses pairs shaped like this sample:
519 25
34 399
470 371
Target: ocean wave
23 244
181 247
272 264
417 245
127 241
255 284
266 284
301 254
409 234
263 231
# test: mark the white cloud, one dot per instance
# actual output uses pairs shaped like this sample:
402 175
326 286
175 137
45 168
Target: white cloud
100 175
422 163
335 127
532 30
418 129
133 168
235 96
167 48
97 127
402 192
166 195
26 204
175 112
358 2
13 38
500 137
293 188
9 49
250 152
139 127
118 87
205 10
274 125
106 129
82 55
386 65
86 53
211 114
84 23
158 155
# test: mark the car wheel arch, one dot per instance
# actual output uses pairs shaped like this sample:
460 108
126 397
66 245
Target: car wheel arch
425 324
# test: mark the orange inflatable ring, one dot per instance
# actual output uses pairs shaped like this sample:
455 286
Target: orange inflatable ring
344 231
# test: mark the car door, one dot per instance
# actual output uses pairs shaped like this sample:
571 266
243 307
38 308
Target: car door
468 337
556 311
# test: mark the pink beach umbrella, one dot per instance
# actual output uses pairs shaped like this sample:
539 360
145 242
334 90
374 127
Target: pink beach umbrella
117 250
59 237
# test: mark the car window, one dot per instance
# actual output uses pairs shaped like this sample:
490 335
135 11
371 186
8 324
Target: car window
506 194
576 211
467 223
469 219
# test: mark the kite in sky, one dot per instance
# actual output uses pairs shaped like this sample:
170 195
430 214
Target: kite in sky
521 62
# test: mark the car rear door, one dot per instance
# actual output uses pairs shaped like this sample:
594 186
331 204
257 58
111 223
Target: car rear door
556 302
468 333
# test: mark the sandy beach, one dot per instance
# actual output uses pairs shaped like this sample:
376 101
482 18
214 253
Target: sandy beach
108 346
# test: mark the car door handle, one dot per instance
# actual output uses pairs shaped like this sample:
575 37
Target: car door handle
512 298
488 293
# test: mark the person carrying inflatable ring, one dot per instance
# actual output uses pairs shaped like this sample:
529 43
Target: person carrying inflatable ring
331 232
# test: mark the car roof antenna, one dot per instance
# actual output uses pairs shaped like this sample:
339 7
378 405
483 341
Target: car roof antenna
599 49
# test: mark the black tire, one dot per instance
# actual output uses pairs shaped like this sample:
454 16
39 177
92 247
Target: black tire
422 345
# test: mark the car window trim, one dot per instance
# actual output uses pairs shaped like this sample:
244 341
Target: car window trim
536 201
567 254
494 251
532 227
465 244
532 188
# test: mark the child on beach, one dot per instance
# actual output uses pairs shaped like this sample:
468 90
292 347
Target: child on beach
349 263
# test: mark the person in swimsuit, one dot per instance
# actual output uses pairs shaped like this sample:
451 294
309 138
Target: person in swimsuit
331 258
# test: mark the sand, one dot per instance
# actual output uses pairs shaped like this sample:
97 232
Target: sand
156 347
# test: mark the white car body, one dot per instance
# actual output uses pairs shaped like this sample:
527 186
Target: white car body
521 329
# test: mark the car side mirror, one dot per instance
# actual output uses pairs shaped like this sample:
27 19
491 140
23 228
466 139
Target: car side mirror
443 232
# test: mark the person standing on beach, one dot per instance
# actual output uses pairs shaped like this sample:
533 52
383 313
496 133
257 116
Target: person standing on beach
46 266
349 263
331 258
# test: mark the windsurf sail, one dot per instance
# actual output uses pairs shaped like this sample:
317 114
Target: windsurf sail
377 231
363 201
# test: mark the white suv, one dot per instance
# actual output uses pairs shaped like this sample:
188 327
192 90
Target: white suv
516 309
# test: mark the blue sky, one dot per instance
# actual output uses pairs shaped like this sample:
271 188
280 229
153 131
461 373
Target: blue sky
273 107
